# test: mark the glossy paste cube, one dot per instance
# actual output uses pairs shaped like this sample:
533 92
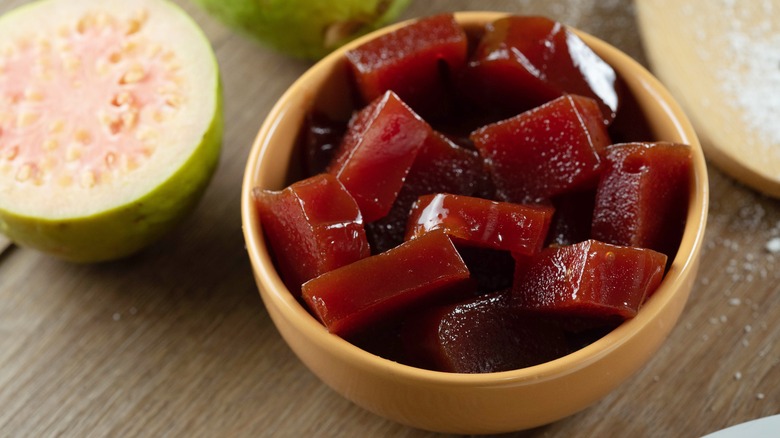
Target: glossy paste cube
590 278
523 62
365 293
415 61
550 150
517 228
312 226
481 335
377 152
642 198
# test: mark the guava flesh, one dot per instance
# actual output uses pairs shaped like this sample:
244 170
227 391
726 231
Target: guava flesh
104 145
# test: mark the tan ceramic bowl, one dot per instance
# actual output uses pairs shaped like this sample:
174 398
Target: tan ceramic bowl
469 403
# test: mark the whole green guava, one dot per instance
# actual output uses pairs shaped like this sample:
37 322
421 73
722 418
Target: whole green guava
304 28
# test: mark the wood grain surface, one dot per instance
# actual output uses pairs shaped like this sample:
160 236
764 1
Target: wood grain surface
175 341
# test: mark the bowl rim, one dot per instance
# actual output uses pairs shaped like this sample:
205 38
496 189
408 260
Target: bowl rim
271 286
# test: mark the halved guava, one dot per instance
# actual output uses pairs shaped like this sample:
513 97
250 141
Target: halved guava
110 124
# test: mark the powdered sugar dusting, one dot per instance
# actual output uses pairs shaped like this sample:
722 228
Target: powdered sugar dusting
752 79
741 44
773 245
751 76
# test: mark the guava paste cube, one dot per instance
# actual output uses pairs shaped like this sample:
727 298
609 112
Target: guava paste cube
441 166
319 139
312 226
410 62
549 150
377 152
524 61
364 293
582 331
571 222
481 222
382 339
481 335
642 197
490 269
590 278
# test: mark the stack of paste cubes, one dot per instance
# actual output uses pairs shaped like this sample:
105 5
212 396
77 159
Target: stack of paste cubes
474 214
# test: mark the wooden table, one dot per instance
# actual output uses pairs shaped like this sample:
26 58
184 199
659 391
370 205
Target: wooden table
175 341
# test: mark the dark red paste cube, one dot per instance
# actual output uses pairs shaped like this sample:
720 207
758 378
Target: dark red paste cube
490 269
590 278
414 61
382 339
523 62
441 166
376 153
364 293
544 152
481 335
572 219
505 226
642 198
312 226
319 139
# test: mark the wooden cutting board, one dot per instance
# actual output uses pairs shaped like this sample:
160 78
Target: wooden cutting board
721 60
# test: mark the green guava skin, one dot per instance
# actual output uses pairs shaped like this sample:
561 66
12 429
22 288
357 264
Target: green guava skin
298 27
126 229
